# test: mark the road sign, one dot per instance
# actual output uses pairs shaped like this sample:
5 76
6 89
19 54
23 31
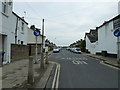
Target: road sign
117 32
37 32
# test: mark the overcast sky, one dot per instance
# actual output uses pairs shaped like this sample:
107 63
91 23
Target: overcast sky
66 22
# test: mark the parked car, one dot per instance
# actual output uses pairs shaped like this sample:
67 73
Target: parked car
76 50
56 50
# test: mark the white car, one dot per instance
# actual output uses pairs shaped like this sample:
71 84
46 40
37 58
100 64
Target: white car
56 50
76 50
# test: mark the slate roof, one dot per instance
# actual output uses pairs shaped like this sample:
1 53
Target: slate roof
92 35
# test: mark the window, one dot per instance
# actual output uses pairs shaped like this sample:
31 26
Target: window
21 42
22 28
116 23
18 41
4 7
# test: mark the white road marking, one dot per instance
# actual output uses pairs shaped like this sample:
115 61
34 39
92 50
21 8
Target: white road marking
73 58
84 62
75 62
58 75
53 84
85 58
76 58
80 62
109 65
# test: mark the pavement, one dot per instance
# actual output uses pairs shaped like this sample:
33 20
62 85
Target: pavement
15 74
16 77
107 60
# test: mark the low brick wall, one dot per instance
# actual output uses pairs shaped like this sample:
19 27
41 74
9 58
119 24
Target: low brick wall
22 51
19 52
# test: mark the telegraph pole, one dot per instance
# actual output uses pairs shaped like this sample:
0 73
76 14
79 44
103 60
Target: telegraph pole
42 51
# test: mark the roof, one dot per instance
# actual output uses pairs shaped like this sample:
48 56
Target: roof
118 16
20 17
92 36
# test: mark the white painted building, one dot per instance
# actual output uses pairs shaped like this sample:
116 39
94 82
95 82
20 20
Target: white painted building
13 29
32 39
107 42
91 41
119 7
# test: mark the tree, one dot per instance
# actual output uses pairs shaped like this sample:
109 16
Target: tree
83 45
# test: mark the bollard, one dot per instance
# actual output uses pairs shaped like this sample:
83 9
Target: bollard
46 58
30 71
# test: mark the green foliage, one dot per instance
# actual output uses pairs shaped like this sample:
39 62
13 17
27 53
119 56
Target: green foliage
83 45
80 44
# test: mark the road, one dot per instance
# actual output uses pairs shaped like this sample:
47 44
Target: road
80 71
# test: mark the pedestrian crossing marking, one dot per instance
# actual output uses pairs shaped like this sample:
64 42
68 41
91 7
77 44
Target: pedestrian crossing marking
79 62
75 62
75 58
84 62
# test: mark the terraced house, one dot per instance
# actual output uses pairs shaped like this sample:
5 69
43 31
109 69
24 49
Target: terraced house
106 44
13 29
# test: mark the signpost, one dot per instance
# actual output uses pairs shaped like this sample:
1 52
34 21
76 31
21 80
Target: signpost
117 34
36 33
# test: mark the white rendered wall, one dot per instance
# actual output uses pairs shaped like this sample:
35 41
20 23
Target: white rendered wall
88 44
8 30
107 41
119 7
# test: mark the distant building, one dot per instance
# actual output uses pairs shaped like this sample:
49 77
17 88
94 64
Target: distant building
91 39
13 29
32 39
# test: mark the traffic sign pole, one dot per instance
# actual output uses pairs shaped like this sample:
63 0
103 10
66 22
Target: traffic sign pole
36 33
118 44
117 34
36 51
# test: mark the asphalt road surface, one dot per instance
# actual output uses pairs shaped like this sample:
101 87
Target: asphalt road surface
80 71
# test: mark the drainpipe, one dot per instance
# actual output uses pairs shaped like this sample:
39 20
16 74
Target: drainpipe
16 31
